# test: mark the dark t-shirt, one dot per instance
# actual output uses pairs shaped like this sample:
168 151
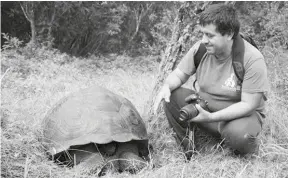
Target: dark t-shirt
217 81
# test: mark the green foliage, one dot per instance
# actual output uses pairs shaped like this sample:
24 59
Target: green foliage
13 22
83 28
276 60
266 21
87 27
162 30
11 42
276 24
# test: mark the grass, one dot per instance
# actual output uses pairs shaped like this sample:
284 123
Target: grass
32 82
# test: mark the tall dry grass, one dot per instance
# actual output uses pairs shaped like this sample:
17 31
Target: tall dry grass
33 81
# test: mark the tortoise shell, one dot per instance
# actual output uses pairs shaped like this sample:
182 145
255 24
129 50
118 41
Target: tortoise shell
92 115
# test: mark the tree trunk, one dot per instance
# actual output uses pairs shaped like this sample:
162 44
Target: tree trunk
33 30
28 10
139 13
41 16
138 21
178 46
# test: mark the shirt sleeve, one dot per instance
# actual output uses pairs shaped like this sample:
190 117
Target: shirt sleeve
255 78
187 65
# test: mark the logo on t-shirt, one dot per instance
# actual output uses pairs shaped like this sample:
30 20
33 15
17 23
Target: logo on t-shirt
231 84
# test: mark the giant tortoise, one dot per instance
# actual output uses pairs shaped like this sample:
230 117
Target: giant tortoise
96 126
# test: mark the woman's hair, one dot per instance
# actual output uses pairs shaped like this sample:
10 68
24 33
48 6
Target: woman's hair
223 16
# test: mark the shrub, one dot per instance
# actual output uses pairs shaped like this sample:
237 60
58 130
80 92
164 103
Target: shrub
11 42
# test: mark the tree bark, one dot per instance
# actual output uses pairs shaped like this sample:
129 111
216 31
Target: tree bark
28 10
33 29
179 44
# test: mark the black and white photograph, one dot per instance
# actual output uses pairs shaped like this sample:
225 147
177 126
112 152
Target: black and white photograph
144 89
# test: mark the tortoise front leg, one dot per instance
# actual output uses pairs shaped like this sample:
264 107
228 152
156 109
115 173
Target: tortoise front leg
129 159
126 159
91 164
112 164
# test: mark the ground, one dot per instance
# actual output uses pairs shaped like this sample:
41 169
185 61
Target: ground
32 82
